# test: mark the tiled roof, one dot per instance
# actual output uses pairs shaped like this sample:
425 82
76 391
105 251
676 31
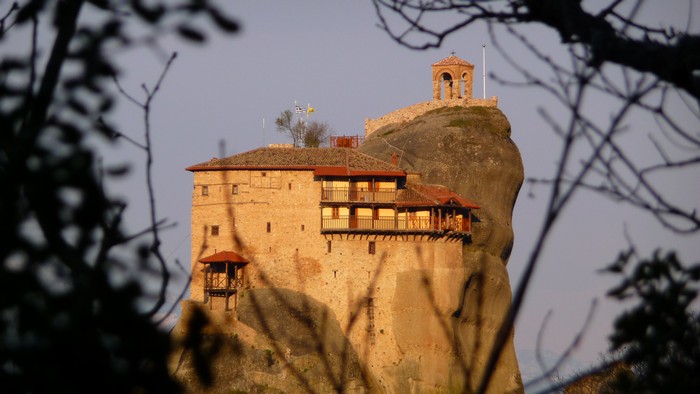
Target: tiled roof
452 60
224 257
335 161
421 195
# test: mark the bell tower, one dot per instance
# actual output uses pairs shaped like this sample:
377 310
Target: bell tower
453 78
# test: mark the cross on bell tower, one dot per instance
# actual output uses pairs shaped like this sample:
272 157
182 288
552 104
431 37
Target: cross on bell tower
454 77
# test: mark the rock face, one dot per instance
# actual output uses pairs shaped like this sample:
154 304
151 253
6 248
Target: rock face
469 150
282 341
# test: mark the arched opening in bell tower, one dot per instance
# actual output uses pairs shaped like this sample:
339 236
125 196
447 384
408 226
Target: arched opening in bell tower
447 86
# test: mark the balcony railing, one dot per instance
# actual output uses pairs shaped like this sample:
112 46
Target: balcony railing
359 223
221 281
344 194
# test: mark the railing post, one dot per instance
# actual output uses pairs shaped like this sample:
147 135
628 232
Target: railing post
206 276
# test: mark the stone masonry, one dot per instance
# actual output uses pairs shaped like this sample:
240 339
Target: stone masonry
272 217
411 112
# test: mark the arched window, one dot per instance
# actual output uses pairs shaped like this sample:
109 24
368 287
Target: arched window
447 86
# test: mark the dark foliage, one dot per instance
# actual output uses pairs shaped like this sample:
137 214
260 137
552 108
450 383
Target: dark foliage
660 336
71 312
612 35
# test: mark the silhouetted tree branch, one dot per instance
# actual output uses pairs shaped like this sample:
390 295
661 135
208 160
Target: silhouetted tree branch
71 281
612 35
155 243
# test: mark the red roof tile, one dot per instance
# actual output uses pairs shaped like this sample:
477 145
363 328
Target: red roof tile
425 195
224 257
452 60
324 161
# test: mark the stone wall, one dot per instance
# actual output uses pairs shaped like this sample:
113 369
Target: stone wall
413 111
387 303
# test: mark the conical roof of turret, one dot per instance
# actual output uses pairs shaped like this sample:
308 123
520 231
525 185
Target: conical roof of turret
452 60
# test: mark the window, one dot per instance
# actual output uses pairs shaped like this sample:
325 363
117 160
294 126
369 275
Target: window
372 247
289 185
215 231
205 190
263 174
328 246
234 189
269 227
335 212
302 227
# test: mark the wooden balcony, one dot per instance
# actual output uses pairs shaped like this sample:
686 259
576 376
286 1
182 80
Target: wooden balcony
359 224
222 280
345 194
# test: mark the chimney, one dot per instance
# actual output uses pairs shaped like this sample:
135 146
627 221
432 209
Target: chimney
394 159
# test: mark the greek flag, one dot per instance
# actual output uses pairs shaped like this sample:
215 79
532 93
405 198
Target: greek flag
300 110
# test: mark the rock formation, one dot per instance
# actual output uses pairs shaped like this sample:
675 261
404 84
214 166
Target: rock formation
469 150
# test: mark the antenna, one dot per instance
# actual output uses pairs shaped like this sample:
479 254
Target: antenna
483 57
263 124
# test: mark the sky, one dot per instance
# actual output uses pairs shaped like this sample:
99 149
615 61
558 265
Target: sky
223 97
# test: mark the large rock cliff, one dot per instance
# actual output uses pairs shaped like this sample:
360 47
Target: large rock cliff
469 150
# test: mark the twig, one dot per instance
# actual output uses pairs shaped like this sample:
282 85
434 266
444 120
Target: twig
147 146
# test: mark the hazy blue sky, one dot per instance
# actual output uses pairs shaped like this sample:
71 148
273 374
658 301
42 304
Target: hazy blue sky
331 54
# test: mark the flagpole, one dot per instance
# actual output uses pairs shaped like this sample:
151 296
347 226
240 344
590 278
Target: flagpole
263 124
483 56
